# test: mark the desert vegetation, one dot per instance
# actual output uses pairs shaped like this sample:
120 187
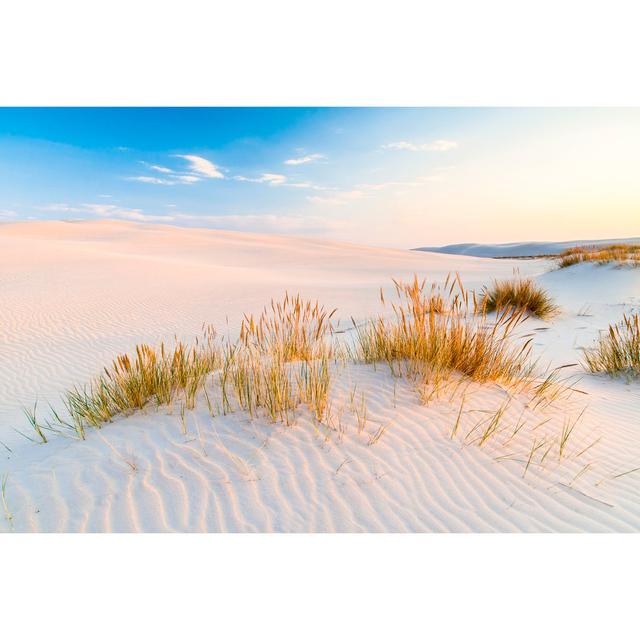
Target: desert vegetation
603 254
428 338
618 350
435 336
521 294
130 383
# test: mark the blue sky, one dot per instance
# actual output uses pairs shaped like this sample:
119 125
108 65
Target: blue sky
395 177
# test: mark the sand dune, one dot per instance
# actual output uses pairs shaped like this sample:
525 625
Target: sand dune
76 294
520 249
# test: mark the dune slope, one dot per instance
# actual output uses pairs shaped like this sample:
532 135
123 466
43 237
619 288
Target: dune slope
78 293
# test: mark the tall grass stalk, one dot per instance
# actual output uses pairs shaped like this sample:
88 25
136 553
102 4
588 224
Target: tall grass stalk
617 351
432 338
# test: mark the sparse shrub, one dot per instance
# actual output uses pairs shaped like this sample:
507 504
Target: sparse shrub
521 294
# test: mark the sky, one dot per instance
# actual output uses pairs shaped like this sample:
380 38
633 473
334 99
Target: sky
402 177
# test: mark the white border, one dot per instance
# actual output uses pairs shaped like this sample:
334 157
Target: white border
319 586
335 52
330 53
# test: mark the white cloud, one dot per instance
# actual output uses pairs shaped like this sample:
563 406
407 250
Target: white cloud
5 214
277 179
436 145
187 179
313 157
273 178
202 166
159 169
268 178
179 178
257 223
150 180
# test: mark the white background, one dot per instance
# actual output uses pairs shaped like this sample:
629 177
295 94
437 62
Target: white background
319 53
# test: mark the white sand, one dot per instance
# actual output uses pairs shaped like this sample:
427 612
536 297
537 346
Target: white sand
75 294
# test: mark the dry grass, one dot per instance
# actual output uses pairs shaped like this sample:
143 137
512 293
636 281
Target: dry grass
292 329
521 294
431 338
622 253
617 351
131 382
436 336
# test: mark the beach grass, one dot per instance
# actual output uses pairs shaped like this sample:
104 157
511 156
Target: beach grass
436 336
602 254
618 350
429 338
521 294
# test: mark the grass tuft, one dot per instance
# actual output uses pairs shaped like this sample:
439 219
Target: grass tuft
431 344
618 350
521 294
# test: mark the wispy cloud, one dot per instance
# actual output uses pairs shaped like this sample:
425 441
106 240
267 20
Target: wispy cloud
268 178
202 166
158 168
256 223
199 169
187 179
6 214
279 180
313 157
436 145
150 180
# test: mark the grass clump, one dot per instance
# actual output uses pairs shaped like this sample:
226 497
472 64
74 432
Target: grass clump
131 382
603 254
293 329
618 350
521 294
432 344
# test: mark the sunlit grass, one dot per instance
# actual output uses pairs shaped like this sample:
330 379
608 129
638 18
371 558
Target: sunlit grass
429 338
521 294
603 254
292 329
618 350
436 336
155 375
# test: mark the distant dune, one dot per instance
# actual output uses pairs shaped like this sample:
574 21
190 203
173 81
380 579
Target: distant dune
518 249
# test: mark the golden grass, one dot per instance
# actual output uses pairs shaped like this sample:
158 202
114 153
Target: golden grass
603 254
520 294
292 328
435 336
618 350
131 382
429 344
